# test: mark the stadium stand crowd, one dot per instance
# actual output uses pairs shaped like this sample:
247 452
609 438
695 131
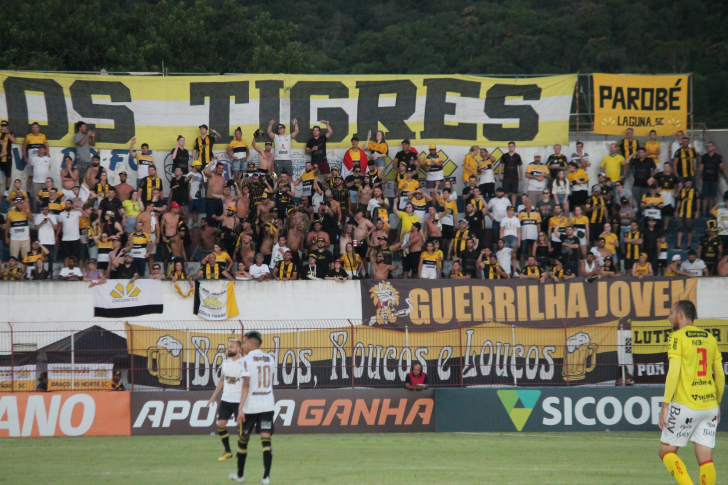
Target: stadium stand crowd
543 219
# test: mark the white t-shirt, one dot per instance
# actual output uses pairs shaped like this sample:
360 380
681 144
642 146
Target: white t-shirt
69 220
276 255
258 271
504 259
538 185
66 272
510 226
499 207
696 268
41 168
722 220
261 368
559 189
232 373
46 234
195 182
282 148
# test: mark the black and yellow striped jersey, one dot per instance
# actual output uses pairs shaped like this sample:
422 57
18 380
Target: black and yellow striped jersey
652 199
179 275
560 272
256 193
91 232
12 271
628 147
688 202
147 186
685 162
709 248
490 271
459 244
31 257
283 195
341 195
105 248
43 194
531 270
203 145
418 204
580 222
139 241
596 202
478 204
374 177
429 259
285 268
56 206
632 251
239 148
211 271
455 273
5 140
102 190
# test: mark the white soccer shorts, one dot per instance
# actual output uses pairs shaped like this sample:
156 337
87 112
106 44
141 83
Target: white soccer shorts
684 423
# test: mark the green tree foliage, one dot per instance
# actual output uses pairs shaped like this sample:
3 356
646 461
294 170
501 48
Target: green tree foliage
389 36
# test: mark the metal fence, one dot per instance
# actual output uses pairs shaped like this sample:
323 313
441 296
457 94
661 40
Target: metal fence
187 355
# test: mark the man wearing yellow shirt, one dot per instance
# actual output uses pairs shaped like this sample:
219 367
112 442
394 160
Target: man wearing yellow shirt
470 164
33 141
693 392
653 147
612 164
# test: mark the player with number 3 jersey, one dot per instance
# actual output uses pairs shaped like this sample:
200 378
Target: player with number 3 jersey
693 392
257 404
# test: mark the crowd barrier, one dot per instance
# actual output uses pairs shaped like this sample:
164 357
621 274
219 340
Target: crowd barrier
493 409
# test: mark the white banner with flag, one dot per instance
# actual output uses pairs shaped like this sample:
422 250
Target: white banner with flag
124 298
215 300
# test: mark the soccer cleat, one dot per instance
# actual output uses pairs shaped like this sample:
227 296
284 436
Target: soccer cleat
266 481
225 456
234 476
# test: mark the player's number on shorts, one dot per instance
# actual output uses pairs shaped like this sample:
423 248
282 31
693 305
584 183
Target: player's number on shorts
703 363
264 376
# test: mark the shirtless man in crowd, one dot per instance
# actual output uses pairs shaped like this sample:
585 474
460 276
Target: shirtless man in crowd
380 270
177 245
170 224
92 174
270 236
433 228
215 185
414 244
365 193
208 236
243 203
265 157
314 234
362 230
296 240
264 210
69 177
228 228
247 251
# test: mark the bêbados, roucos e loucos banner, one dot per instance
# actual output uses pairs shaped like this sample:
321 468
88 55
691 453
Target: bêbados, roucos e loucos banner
449 109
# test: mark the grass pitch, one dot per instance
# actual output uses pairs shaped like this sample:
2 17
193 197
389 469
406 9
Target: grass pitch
426 458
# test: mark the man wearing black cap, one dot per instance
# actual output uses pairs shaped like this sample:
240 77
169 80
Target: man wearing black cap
203 146
650 241
324 258
283 145
316 147
7 138
407 156
310 269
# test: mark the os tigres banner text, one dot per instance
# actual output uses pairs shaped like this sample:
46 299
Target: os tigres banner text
643 103
424 305
449 110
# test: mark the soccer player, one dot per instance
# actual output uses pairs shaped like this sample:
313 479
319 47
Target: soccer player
231 384
257 404
693 391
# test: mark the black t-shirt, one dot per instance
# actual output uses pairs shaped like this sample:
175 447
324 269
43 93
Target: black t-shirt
320 154
510 165
468 193
112 205
408 157
341 273
643 171
311 272
182 160
179 191
711 166
649 240
124 273
468 260
476 223
323 261
667 182
568 253
158 204
357 181
557 160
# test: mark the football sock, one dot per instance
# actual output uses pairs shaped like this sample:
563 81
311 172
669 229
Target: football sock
707 473
225 438
677 468
267 456
242 455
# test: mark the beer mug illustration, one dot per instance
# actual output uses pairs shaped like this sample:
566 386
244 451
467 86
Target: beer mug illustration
168 357
579 350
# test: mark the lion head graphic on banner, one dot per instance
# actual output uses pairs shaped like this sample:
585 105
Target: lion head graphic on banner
386 299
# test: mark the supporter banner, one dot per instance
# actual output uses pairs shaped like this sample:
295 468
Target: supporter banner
22 381
455 109
64 414
339 411
649 339
122 298
84 377
642 103
215 300
422 305
550 409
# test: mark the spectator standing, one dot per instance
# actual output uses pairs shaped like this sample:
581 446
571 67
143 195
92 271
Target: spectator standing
132 208
379 149
179 190
470 165
569 256
580 157
111 204
139 247
17 228
578 185
538 178
486 178
613 164
710 248
643 169
557 162
632 246
148 184
629 145
668 183
651 241
194 179
40 168
143 161
316 147
510 230
203 146
408 157
556 228
123 189
282 143
596 211
47 226
84 139
356 156
711 166
181 156
70 233
7 138
530 222
69 177
676 144
498 210
512 172
652 146
238 152
688 209
684 161
33 141
652 203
